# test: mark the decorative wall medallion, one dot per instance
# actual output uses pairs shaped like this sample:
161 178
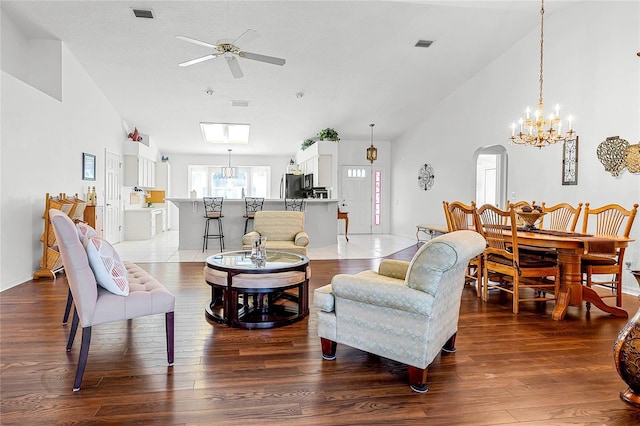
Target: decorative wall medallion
425 177
611 154
632 158
570 162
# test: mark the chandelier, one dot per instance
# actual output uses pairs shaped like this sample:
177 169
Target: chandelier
229 172
372 151
538 130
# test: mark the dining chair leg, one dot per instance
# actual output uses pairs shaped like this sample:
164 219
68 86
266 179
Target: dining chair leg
516 293
74 328
82 361
168 319
588 282
67 309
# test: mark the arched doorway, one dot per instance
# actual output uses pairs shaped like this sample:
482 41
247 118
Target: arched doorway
491 175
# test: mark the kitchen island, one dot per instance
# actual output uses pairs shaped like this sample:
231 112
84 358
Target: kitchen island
320 221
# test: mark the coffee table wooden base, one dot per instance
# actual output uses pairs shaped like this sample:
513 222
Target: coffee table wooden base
259 307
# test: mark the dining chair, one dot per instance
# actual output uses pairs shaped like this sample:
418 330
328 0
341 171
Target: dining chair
516 271
460 216
213 211
560 217
251 205
611 220
517 205
94 304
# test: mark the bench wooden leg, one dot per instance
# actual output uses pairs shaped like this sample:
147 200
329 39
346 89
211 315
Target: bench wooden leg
168 318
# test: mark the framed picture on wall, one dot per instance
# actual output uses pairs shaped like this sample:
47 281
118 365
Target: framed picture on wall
570 162
88 166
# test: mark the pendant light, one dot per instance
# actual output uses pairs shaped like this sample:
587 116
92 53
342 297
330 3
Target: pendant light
372 151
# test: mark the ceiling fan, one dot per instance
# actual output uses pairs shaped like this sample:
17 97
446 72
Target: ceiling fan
230 50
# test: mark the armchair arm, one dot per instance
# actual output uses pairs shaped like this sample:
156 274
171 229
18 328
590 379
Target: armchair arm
246 238
378 292
301 239
394 268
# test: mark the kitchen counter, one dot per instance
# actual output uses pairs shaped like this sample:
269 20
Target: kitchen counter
142 223
320 222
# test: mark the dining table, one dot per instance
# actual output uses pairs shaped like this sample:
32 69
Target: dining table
570 247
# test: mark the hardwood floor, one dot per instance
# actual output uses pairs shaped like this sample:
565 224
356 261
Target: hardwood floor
508 369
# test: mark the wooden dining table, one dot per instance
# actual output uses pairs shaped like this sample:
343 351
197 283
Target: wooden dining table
570 247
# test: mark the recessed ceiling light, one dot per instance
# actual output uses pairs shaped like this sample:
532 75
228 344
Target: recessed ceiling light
143 13
424 43
240 103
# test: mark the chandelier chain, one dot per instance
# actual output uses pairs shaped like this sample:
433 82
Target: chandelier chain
538 130
541 48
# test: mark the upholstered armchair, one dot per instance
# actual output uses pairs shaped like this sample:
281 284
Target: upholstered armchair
284 231
406 311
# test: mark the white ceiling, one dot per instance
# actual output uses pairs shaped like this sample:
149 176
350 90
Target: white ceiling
355 62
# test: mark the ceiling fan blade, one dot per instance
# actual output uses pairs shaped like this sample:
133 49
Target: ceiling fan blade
234 66
246 37
262 58
194 41
197 60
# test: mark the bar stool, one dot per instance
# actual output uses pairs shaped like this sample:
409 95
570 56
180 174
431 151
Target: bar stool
252 205
213 211
293 204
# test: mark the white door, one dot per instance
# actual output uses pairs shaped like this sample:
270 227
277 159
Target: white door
112 198
355 184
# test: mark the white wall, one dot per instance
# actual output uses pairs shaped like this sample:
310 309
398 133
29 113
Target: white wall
591 69
41 151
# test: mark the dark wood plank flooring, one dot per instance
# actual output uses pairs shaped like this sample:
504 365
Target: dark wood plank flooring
509 369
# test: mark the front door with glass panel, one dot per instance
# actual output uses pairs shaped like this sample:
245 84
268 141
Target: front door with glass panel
356 197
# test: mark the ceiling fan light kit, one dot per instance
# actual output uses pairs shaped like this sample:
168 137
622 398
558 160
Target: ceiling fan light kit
231 52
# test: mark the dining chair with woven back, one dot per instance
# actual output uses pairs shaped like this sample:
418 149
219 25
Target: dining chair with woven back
517 272
460 216
611 220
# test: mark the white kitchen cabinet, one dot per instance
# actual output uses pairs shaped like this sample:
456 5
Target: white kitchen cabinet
144 223
139 171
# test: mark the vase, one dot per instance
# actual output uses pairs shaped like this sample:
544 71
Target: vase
626 354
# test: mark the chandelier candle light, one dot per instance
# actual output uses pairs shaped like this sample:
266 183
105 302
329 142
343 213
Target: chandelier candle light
539 131
372 151
229 172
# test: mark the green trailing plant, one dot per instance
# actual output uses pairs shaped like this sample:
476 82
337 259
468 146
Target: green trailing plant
307 143
328 134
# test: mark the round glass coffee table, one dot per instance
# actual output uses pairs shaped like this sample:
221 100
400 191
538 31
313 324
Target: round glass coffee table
251 293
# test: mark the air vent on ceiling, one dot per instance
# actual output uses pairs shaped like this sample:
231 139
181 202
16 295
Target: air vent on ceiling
240 103
143 13
424 43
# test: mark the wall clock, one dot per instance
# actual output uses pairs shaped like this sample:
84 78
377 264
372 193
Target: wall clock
570 162
425 177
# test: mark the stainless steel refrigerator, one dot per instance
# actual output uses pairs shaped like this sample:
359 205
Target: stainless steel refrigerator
292 186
